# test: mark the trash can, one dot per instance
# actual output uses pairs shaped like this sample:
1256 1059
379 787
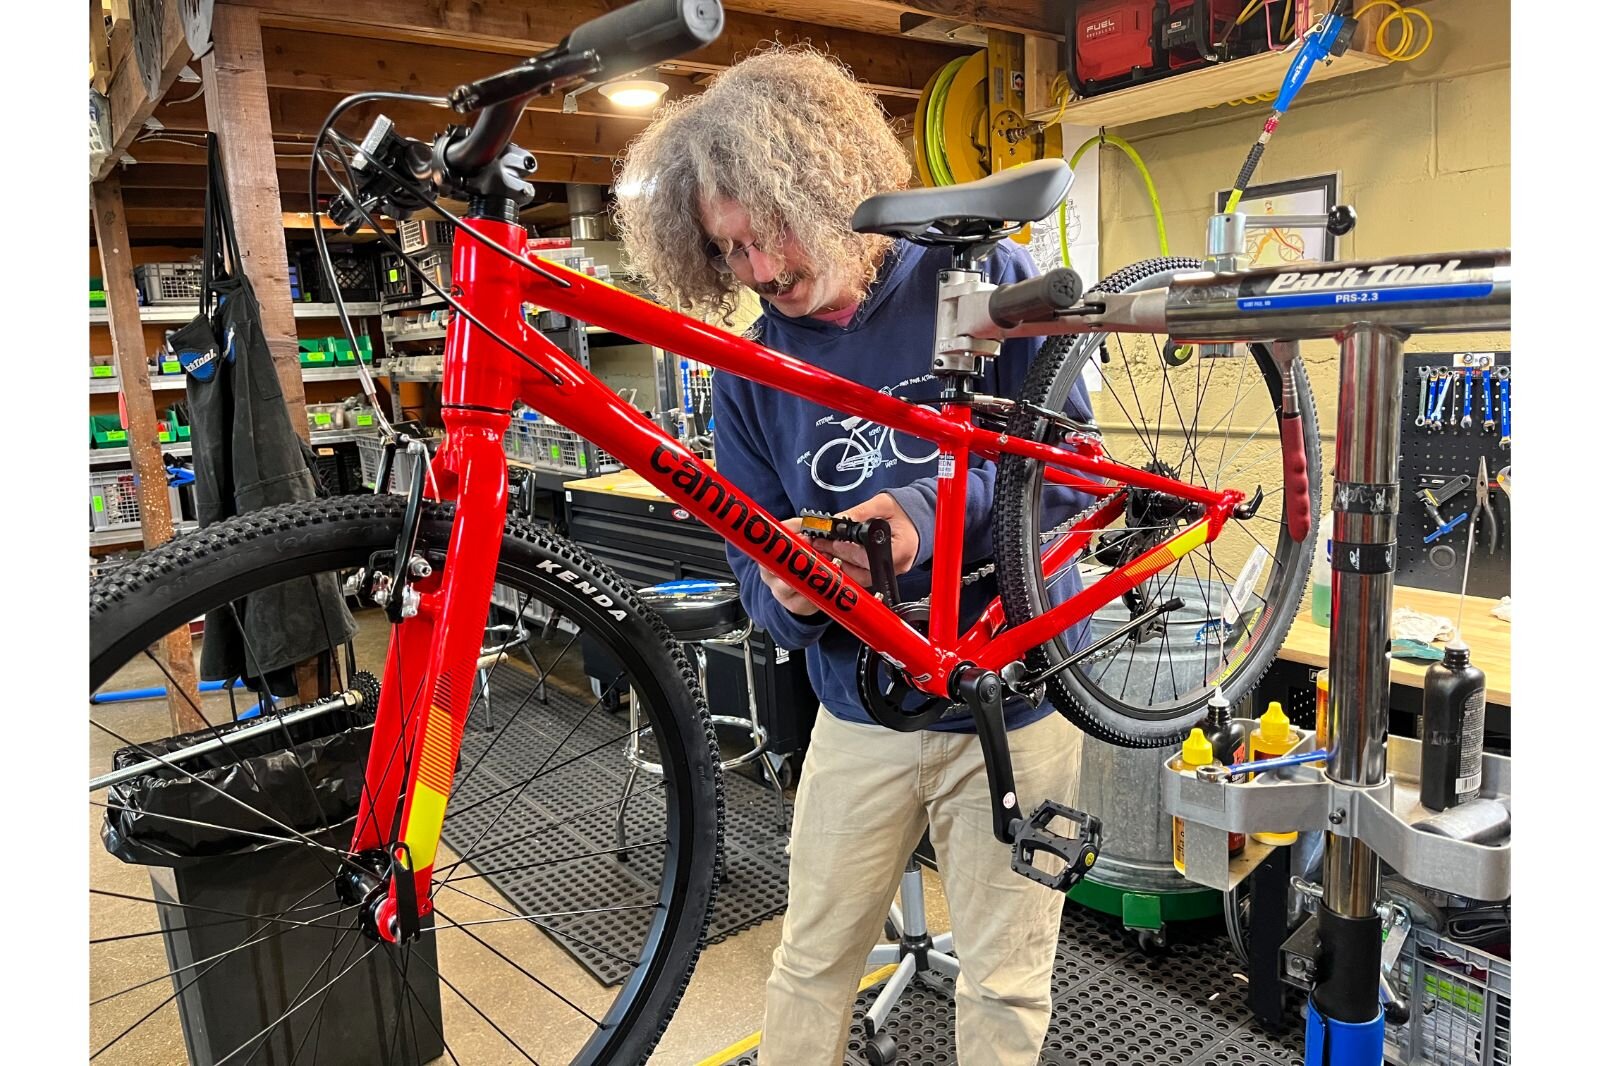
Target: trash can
246 997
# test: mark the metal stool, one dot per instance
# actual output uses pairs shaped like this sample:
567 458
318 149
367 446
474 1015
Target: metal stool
700 612
917 954
499 640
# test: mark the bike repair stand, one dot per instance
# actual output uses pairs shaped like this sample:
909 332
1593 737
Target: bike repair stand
1342 952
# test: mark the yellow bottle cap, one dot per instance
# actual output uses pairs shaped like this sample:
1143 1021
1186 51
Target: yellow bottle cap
1275 724
1197 749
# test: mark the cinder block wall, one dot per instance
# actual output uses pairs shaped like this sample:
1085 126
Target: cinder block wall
1423 150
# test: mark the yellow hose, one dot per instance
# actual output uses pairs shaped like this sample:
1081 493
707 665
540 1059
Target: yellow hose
1402 51
1144 172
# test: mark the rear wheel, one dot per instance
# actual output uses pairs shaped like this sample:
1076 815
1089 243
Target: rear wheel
1209 422
543 945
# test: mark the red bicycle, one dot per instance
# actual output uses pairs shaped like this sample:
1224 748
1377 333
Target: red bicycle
1193 570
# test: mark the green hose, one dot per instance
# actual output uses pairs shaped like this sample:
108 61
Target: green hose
933 124
1144 172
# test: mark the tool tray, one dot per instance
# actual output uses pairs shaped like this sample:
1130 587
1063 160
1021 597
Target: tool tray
1304 799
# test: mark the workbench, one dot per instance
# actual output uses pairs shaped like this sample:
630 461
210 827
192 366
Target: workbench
633 527
1305 651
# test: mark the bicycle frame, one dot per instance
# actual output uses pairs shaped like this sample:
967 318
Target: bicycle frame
480 382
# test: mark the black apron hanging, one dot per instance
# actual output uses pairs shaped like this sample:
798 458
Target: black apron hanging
248 456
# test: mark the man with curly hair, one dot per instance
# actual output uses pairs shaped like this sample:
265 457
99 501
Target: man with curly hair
750 186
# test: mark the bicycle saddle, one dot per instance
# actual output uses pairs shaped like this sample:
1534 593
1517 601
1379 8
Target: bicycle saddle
1018 194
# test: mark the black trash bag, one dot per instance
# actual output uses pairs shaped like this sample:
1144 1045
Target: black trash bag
313 784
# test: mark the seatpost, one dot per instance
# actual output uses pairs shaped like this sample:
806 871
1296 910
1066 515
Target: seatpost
958 355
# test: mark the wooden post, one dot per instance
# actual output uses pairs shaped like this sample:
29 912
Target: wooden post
237 111
127 342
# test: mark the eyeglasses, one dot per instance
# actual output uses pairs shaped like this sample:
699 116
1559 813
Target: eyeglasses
739 254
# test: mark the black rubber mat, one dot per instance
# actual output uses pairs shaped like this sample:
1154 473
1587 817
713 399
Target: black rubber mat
536 806
1112 1005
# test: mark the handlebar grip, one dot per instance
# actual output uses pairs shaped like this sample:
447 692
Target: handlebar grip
1037 299
646 33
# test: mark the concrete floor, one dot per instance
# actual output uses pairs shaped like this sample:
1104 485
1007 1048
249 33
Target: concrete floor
722 1004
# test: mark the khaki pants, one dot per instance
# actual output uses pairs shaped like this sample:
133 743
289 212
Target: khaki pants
865 796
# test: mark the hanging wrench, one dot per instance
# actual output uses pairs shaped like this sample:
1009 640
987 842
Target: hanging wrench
1455 401
1436 405
1422 397
1488 405
1503 386
1466 409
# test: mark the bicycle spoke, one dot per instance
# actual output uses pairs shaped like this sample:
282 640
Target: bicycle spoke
201 962
552 862
190 821
301 1003
542 770
515 965
451 986
550 825
536 922
237 759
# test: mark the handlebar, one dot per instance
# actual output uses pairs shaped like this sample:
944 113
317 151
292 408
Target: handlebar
602 49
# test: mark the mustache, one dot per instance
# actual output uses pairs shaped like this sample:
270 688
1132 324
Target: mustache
783 281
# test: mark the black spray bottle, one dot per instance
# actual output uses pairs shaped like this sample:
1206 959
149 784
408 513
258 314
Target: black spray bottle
1452 729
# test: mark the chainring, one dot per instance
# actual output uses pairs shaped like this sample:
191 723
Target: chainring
886 705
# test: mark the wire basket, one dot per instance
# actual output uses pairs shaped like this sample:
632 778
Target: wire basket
544 442
168 283
419 234
370 448
114 500
1460 1001
436 267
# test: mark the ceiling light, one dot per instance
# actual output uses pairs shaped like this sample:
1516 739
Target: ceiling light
641 90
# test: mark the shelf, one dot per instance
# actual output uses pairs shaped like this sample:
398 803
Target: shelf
106 538
416 335
161 382
111 456
1184 93
414 303
185 312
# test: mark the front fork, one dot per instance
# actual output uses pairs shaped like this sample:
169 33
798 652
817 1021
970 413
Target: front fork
428 678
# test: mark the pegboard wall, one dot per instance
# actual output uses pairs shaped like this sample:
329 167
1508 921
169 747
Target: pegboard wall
1439 455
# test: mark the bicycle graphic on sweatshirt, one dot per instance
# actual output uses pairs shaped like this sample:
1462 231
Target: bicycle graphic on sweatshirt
845 462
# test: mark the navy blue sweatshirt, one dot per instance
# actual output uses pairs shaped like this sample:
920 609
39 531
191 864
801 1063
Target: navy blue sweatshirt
789 453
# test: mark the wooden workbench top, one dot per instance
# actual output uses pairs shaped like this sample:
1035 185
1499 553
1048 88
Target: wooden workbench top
620 483
1488 636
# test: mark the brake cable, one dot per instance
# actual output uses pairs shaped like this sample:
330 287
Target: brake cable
345 144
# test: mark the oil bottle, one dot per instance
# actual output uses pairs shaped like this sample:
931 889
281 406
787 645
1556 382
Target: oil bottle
1196 752
1453 693
1230 744
1275 737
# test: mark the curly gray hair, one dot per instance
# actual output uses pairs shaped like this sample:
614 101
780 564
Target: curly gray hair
788 135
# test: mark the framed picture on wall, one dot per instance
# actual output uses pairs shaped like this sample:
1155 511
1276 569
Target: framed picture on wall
1282 245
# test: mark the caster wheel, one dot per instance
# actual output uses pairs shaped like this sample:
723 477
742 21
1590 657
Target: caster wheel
1152 941
881 1049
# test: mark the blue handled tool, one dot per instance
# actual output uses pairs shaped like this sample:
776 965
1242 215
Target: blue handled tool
1503 387
1261 766
1466 407
1445 529
1318 45
1488 400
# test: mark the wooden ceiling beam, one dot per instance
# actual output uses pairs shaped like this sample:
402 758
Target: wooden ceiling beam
334 63
130 104
883 16
516 28
298 114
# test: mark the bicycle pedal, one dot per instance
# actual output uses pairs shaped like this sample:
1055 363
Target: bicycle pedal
1076 853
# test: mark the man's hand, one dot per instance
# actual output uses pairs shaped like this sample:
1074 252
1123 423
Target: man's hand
903 542
786 595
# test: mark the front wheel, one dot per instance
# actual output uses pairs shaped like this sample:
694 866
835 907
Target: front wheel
1211 422
543 944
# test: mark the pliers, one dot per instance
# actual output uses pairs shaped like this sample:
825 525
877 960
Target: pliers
1483 506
